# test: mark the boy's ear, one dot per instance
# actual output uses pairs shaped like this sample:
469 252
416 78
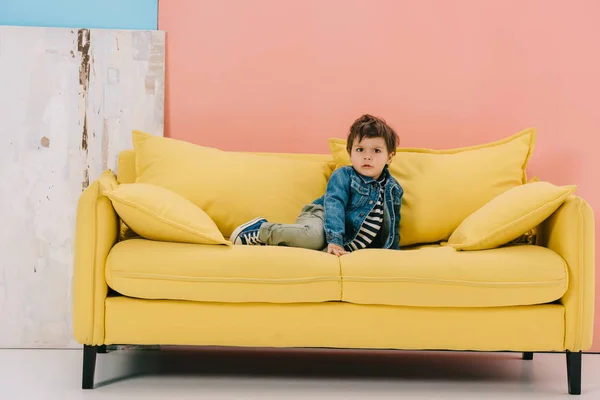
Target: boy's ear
390 157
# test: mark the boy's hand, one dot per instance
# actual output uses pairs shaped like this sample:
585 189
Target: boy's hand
336 250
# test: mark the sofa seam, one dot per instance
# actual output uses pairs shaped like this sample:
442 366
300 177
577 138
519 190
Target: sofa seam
566 281
451 281
136 275
530 149
94 257
123 274
578 326
107 270
341 279
509 139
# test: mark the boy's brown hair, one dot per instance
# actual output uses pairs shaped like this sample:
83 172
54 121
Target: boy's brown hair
368 126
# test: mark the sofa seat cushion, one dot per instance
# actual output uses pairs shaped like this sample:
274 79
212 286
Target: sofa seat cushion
199 272
435 276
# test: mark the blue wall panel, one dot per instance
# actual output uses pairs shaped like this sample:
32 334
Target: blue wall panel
107 14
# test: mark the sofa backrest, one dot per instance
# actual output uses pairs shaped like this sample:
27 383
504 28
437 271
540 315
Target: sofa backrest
126 167
126 162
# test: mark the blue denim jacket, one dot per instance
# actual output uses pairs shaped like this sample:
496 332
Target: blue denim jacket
348 200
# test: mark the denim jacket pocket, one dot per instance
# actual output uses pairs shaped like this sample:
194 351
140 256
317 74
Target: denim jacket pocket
359 195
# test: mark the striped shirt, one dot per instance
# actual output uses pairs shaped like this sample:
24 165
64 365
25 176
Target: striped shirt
371 227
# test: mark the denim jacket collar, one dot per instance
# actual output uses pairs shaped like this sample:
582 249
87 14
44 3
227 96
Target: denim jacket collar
368 179
348 200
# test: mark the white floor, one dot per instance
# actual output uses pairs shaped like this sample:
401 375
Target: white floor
180 373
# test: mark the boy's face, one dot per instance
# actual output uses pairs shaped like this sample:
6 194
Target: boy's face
370 156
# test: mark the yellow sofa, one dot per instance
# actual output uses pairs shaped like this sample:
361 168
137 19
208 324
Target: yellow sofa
429 295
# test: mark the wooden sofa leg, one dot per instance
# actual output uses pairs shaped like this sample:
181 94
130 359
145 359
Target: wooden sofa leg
528 356
89 366
574 372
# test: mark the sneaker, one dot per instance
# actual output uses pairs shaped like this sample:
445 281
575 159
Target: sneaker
248 233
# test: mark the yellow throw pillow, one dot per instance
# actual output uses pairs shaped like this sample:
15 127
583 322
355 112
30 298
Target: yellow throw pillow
509 215
107 181
158 214
232 188
443 187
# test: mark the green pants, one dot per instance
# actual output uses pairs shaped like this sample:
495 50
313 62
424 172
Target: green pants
307 232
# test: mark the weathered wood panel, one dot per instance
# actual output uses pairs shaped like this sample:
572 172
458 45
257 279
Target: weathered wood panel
68 101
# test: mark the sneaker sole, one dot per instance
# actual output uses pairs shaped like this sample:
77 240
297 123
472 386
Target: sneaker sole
236 233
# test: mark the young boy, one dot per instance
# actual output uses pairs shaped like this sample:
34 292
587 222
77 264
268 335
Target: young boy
360 208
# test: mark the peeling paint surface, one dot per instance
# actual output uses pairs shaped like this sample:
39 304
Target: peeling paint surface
69 101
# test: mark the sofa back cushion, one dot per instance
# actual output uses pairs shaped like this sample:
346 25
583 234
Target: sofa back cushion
443 187
231 187
126 162
126 167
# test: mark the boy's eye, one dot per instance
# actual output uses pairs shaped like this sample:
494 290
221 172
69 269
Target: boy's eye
359 149
377 150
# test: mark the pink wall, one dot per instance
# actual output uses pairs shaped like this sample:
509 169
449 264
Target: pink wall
271 75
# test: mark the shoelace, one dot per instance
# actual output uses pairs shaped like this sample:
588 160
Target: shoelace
252 238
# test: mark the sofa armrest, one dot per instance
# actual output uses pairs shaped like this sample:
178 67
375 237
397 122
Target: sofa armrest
96 231
570 233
